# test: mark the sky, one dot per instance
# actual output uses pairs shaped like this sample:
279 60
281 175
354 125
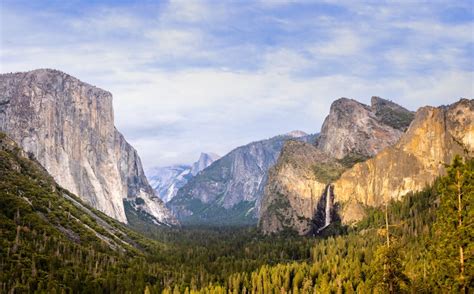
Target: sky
191 76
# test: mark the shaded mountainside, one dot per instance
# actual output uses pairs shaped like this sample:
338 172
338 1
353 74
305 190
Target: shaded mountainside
229 191
29 192
69 127
435 136
391 113
299 193
166 181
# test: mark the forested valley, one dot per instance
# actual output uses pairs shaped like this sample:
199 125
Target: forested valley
421 244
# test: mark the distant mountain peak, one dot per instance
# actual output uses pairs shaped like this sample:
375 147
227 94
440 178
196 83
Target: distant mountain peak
167 180
210 155
296 134
229 191
205 159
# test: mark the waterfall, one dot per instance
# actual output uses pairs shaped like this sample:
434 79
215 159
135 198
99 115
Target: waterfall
327 210
327 220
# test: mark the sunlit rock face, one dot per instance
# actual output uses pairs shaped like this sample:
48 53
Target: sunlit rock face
69 127
299 194
435 136
294 189
297 187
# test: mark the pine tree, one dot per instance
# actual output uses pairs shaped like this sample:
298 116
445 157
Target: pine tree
388 276
453 230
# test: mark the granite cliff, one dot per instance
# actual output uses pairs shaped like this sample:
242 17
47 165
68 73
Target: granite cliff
296 187
435 136
68 126
299 194
356 129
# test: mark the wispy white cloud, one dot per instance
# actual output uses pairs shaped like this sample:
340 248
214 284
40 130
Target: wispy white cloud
192 76
344 42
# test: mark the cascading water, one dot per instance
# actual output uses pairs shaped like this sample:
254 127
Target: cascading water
327 220
327 209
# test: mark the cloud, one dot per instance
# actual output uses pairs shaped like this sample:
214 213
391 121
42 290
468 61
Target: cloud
192 76
189 11
344 42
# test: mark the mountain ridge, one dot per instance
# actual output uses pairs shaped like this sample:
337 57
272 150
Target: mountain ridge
435 136
230 189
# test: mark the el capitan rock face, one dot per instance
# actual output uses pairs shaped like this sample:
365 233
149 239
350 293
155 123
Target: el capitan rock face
69 127
435 136
299 187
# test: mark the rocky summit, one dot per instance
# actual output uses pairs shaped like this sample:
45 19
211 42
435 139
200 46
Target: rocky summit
68 126
356 129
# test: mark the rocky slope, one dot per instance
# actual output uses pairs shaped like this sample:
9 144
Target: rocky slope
230 189
68 126
432 140
299 186
166 181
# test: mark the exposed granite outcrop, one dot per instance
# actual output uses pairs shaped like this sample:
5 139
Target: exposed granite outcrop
435 136
295 188
69 127
356 129
296 194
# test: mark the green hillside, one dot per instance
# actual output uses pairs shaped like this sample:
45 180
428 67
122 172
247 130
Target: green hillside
51 240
